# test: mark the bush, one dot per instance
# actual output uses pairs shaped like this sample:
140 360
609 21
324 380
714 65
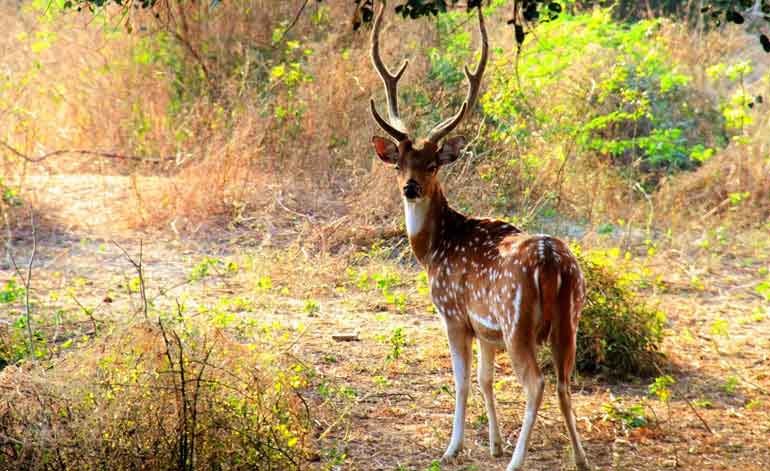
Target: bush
592 102
160 398
619 335
639 105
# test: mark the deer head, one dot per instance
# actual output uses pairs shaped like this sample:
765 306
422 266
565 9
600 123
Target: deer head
418 163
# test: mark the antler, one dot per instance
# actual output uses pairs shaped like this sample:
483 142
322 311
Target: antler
474 82
395 127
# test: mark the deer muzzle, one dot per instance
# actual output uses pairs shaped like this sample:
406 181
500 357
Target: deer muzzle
412 190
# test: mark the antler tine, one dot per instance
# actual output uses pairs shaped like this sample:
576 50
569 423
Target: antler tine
474 83
395 128
394 132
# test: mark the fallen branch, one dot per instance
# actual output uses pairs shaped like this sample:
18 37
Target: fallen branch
353 337
96 153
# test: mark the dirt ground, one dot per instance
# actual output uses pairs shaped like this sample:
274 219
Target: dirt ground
397 412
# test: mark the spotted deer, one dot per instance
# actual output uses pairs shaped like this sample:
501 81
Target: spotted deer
510 290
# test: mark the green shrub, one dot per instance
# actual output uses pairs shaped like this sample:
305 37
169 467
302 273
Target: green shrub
612 88
619 335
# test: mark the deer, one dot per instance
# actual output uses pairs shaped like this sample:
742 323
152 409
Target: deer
488 280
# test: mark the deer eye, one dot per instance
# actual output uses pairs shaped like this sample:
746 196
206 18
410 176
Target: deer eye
397 167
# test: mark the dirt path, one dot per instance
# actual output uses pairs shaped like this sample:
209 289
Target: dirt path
81 238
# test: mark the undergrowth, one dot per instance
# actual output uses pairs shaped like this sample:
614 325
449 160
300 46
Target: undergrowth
173 395
619 335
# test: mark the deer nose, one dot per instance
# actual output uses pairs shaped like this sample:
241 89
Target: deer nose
411 189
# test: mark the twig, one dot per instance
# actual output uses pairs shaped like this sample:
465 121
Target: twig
470 156
27 310
714 209
690 404
390 395
353 404
735 371
697 414
27 280
8 233
352 337
341 417
140 273
184 447
292 24
296 213
88 312
198 381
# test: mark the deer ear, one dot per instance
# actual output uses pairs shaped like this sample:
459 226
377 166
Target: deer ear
450 150
386 150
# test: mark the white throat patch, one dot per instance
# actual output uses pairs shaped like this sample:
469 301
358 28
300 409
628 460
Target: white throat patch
415 212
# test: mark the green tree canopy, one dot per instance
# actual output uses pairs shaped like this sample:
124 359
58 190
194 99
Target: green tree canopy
525 14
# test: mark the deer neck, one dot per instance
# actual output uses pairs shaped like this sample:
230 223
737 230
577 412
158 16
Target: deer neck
426 221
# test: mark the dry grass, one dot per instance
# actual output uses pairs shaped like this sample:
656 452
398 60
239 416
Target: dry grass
732 188
156 397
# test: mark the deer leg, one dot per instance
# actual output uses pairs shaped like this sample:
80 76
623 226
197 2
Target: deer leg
563 359
460 349
486 376
532 379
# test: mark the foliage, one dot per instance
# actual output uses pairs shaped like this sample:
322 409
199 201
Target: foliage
397 342
661 388
638 115
629 417
526 13
13 340
386 283
618 334
737 12
8 196
736 109
175 395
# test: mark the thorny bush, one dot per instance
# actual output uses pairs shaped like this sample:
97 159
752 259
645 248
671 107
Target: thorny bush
157 396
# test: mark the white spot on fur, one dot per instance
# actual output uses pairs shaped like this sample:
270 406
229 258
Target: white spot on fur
488 323
517 305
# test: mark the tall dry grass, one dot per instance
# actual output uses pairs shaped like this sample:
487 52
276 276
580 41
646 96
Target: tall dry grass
194 92
732 188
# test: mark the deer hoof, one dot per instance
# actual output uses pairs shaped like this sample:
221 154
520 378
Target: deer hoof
582 466
496 449
451 455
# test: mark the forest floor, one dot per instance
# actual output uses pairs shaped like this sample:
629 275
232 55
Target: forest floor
393 396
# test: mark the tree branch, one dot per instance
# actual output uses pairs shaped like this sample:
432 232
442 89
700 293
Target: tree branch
106 155
293 23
